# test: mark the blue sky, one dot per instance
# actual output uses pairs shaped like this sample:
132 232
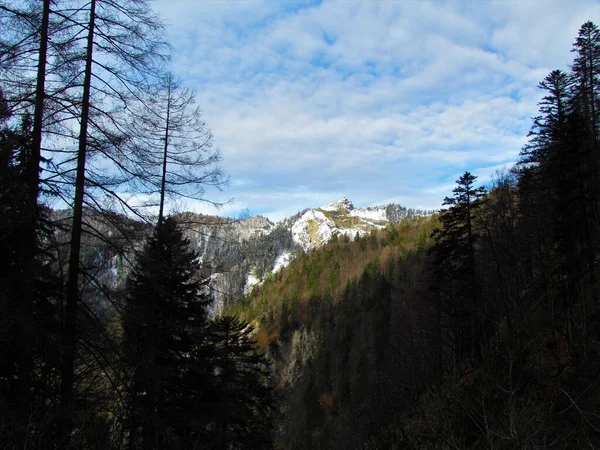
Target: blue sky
378 101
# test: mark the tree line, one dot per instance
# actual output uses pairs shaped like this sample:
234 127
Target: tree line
93 122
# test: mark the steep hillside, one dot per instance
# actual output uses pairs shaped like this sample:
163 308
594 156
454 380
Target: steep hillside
461 338
330 321
242 254
325 271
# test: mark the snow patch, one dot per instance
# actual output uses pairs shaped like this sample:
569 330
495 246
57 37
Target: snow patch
377 214
281 261
251 281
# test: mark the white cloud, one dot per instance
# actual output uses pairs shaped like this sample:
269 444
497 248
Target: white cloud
372 100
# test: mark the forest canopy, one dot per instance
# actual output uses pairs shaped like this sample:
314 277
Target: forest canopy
475 327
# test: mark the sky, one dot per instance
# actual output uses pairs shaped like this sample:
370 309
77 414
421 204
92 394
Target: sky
378 101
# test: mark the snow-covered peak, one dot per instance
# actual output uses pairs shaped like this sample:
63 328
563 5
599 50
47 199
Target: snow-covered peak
312 229
342 205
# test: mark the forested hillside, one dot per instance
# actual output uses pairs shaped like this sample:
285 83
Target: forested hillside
477 327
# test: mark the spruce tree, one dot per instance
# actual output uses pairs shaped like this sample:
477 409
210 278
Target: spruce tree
454 253
586 76
241 400
165 314
457 236
558 188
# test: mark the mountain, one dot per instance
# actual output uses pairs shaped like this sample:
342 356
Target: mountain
334 325
236 254
314 227
240 254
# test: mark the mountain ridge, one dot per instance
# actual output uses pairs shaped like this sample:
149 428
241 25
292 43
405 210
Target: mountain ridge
238 254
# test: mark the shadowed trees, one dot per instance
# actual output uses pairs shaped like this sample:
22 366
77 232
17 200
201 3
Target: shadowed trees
165 317
29 295
454 262
240 404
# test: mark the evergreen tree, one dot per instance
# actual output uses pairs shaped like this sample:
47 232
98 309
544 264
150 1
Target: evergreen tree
456 239
454 253
558 187
165 314
28 294
241 401
586 76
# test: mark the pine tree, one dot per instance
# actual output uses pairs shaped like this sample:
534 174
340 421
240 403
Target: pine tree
165 314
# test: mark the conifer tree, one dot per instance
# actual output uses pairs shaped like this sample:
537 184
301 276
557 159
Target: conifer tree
586 76
241 401
28 294
123 50
173 146
559 184
454 253
457 236
165 315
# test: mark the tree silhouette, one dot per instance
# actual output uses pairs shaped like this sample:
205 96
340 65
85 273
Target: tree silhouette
454 254
165 315
173 147
241 402
28 298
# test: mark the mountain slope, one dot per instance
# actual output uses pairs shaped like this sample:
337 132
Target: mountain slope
241 254
330 321
236 254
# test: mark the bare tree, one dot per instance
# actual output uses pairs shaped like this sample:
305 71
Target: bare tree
173 147
123 50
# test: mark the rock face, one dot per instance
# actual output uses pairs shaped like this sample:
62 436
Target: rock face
316 226
238 255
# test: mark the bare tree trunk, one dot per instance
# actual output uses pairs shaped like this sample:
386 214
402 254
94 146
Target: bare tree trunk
28 254
70 322
163 182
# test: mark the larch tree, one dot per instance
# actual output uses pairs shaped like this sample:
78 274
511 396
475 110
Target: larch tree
173 146
122 51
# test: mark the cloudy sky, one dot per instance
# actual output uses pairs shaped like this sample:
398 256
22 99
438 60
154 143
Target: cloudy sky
378 101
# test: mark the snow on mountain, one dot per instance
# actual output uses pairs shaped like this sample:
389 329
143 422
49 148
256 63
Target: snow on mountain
251 281
252 227
282 261
374 214
342 205
239 254
313 229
